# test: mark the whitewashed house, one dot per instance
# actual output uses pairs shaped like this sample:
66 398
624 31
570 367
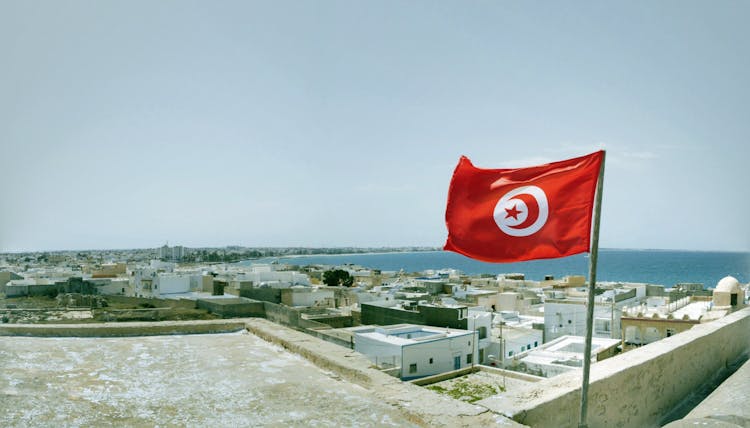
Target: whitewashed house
417 351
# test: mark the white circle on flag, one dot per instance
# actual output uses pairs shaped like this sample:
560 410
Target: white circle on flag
522 211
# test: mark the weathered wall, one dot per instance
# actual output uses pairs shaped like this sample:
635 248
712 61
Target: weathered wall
122 329
425 407
272 295
637 388
727 403
334 321
442 317
232 308
282 314
373 314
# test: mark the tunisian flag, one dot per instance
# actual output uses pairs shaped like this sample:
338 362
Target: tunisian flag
511 215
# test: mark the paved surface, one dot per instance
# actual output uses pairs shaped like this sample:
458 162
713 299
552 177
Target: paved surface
232 379
727 406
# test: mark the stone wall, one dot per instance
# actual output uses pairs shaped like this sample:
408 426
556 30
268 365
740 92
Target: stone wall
122 329
232 308
638 388
282 314
424 407
272 295
379 315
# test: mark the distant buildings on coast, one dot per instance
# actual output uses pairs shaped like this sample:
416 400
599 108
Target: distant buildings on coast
511 322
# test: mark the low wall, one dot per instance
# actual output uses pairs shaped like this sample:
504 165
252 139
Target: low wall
728 403
121 329
232 308
329 338
429 380
424 407
641 387
333 321
282 314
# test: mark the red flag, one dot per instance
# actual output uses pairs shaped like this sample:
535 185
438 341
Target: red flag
511 215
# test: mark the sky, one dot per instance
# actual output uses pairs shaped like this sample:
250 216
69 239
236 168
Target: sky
339 123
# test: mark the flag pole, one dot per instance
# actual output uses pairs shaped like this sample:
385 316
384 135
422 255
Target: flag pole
590 305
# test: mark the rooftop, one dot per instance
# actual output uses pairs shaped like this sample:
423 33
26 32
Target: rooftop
406 334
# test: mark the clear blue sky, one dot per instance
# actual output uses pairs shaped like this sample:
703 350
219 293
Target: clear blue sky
339 123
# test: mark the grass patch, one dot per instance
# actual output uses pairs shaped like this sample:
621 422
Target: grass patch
467 391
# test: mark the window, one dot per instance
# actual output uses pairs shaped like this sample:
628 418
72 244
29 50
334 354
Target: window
413 368
670 332
528 346
602 326
469 358
482 332
510 353
536 344
430 360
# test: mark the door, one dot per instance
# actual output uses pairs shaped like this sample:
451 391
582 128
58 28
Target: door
456 362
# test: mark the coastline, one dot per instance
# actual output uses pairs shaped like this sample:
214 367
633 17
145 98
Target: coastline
658 267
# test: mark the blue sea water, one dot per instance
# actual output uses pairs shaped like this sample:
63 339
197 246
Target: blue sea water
664 267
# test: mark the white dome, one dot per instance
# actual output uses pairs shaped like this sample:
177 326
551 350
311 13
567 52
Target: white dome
728 284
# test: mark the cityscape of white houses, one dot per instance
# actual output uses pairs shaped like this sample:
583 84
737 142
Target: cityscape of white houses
413 325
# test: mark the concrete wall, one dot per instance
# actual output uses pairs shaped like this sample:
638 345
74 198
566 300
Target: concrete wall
306 296
334 321
442 353
121 329
265 294
378 315
281 314
232 308
383 354
426 315
169 284
425 407
638 388
443 317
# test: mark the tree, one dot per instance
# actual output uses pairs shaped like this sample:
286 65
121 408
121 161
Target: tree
337 277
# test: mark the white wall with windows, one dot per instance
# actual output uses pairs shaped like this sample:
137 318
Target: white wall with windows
419 350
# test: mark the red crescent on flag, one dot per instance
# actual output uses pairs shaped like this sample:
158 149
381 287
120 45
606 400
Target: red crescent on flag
532 205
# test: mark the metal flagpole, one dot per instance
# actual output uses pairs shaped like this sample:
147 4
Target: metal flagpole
592 286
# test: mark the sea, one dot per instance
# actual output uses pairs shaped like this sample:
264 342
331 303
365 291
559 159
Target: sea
662 267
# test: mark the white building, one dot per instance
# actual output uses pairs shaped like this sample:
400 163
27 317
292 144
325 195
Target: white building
309 297
567 316
153 283
564 354
480 321
417 351
274 279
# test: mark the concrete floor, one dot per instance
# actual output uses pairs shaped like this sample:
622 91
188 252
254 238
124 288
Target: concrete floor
196 380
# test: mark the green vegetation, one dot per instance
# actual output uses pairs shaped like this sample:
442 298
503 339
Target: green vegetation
337 277
467 391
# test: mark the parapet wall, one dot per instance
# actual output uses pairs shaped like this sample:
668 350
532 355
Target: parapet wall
120 329
637 388
422 406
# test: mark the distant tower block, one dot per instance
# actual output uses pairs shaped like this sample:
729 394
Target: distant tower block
172 254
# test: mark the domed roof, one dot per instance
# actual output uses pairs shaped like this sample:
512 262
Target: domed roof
728 284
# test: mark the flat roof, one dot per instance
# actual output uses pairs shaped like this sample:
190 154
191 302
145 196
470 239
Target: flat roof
408 334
